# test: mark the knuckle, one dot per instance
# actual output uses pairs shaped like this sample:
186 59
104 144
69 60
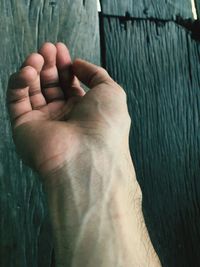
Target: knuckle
129 119
122 91
108 80
104 73
101 76
102 70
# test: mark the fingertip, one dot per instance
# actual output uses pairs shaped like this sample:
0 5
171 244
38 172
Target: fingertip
63 49
76 62
47 45
63 58
90 74
78 59
35 60
28 72
61 44
22 78
81 64
48 51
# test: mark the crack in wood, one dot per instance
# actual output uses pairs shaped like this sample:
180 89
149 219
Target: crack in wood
166 9
191 25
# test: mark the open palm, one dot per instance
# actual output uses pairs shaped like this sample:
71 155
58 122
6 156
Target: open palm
51 114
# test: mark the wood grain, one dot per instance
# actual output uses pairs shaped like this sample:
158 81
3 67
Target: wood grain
163 9
25 232
197 2
158 66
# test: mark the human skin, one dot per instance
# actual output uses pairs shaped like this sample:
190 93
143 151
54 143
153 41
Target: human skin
79 144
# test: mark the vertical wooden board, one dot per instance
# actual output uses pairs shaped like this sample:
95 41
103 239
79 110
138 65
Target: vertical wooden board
161 9
197 5
158 66
25 232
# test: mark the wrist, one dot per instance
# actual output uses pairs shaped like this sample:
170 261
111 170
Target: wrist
96 209
87 143
93 155
91 173
94 195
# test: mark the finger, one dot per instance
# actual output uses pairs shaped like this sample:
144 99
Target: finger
90 74
69 82
18 92
49 75
37 99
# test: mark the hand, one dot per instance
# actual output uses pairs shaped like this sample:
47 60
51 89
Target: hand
53 119
56 124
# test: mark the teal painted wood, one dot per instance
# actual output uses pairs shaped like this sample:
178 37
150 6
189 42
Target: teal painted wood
158 66
25 232
162 9
197 2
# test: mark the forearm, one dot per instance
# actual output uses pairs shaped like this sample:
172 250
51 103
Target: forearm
96 215
94 200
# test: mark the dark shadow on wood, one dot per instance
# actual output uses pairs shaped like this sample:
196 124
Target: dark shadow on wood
193 26
157 63
102 40
197 4
161 9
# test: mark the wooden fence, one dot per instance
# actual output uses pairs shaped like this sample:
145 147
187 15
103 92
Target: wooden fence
150 47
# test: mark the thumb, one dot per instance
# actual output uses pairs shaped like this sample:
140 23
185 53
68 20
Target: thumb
90 74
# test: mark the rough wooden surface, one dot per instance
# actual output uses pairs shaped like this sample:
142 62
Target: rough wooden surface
197 2
25 234
164 9
158 66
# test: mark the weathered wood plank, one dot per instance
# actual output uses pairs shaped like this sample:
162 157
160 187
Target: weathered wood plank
163 9
197 3
25 236
158 66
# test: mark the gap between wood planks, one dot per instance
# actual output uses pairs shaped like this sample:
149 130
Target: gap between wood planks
191 24
194 10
